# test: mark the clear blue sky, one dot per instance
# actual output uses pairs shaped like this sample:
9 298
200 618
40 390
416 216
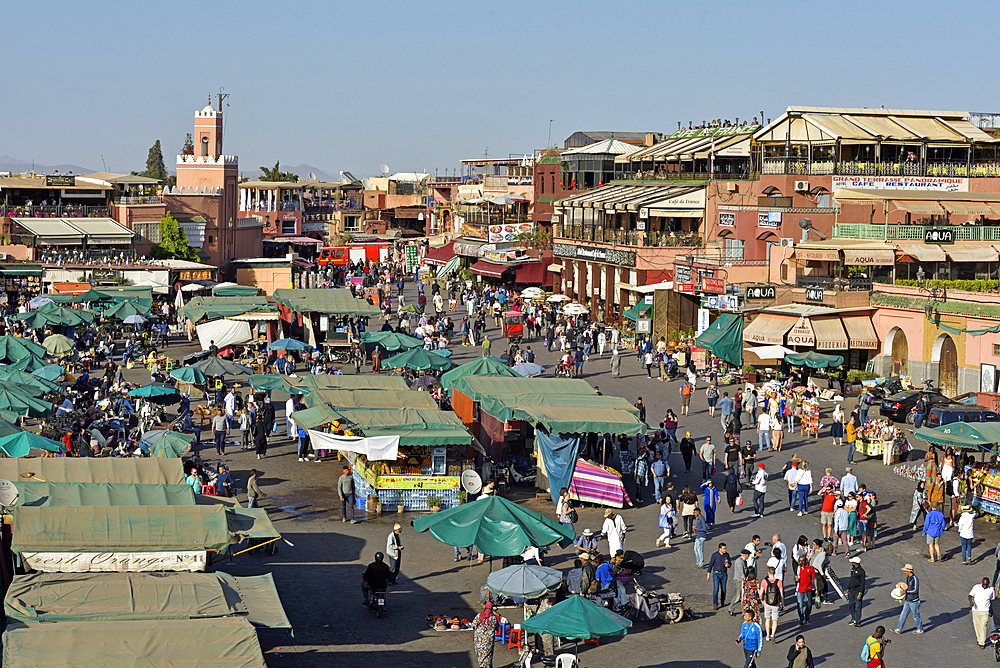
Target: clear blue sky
351 85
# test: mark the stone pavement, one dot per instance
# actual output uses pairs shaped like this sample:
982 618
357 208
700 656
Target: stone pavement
318 577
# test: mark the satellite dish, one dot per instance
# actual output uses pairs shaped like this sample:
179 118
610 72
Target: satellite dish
8 494
312 176
385 170
471 482
366 184
805 223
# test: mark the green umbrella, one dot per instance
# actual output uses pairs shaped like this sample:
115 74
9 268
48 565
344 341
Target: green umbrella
27 389
15 348
50 372
392 341
22 404
17 445
268 381
814 360
496 526
165 443
484 366
577 618
216 367
150 391
419 360
524 581
189 374
125 309
410 308
27 380
58 344
7 427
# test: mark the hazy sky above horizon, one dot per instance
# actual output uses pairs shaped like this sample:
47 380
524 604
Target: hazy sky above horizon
423 85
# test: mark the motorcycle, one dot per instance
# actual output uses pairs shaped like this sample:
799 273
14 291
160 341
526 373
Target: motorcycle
520 470
376 603
994 639
665 607
887 388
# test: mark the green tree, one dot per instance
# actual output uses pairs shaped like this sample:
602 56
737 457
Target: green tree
155 167
275 174
173 241
188 148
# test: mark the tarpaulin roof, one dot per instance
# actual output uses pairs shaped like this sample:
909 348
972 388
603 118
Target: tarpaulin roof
102 494
310 418
365 398
476 387
724 338
637 310
225 641
324 300
235 291
63 597
414 426
224 307
482 366
143 470
328 381
135 528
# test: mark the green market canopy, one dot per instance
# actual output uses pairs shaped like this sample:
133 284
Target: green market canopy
577 618
23 404
483 366
323 300
51 314
419 359
217 366
34 493
235 291
724 338
310 418
414 426
637 311
328 381
142 470
224 641
224 307
14 348
964 435
340 399
496 526
391 341
78 597
814 360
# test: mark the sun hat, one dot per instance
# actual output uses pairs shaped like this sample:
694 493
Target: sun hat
907 567
608 513
855 560
396 526
588 532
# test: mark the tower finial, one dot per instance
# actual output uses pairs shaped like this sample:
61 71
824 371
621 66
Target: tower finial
210 99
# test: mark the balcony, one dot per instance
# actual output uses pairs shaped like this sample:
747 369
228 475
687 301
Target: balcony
495 218
659 176
68 211
834 283
631 237
138 200
805 167
912 232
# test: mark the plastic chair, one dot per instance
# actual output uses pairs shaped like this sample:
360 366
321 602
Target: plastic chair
516 638
503 632
208 490
566 661
596 642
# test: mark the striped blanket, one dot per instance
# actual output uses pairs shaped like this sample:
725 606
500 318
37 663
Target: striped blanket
593 484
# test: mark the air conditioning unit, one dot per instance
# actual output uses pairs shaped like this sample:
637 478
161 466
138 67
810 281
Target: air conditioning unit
801 186
3 256
786 242
733 187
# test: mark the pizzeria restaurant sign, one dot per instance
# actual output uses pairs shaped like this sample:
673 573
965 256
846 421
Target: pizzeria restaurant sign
801 334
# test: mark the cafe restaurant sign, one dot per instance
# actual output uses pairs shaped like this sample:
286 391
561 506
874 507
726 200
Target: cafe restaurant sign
801 334
595 254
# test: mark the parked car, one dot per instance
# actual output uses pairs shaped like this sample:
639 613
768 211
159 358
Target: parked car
898 406
940 415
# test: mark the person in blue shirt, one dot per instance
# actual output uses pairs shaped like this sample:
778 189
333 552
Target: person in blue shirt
710 501
934 525
700 534
606 574
660 472
750 639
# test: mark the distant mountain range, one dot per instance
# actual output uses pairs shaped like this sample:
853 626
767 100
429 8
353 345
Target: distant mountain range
302 171
17 166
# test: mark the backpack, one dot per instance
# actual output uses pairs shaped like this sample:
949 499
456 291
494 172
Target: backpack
686 389
574 517
771 593
866 653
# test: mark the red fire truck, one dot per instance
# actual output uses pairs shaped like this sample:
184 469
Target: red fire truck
341 255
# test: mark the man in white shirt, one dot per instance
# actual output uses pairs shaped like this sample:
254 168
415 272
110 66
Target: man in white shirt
979 600
230 402
849 483
759 489
791 477
966 533
763 431
776 542
614 530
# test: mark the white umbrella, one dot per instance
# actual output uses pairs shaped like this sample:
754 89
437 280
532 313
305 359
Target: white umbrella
555 299
179 300
575 309
532 293
151 284
770 352
193 287
135 320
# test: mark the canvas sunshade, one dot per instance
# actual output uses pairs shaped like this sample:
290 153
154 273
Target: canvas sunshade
968 208
829 333
222 307
971 253
561 420
860 331
310 418
817 254
61 597
142 470
122 528
476 387
919 208
339 399
33 493
768 328
226 641
923 252
323 300
415 426
502 406
250 523
724 338
369 382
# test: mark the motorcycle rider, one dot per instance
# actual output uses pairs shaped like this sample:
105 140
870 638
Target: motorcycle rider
375 578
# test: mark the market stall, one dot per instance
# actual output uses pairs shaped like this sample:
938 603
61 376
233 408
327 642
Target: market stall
877 435
982 437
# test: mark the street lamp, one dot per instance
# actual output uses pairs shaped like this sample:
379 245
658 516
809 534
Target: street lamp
934 293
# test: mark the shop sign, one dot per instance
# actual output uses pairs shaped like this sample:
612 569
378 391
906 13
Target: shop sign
729 303
761 292
641 225
648 299
731 131
60 181
727 219
902 183
687 288
509 232
703 314
315 227
770 220
119 562
814 294
607 255
714 285
939 235
498 256
802 334
643 326
417 482
103 274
